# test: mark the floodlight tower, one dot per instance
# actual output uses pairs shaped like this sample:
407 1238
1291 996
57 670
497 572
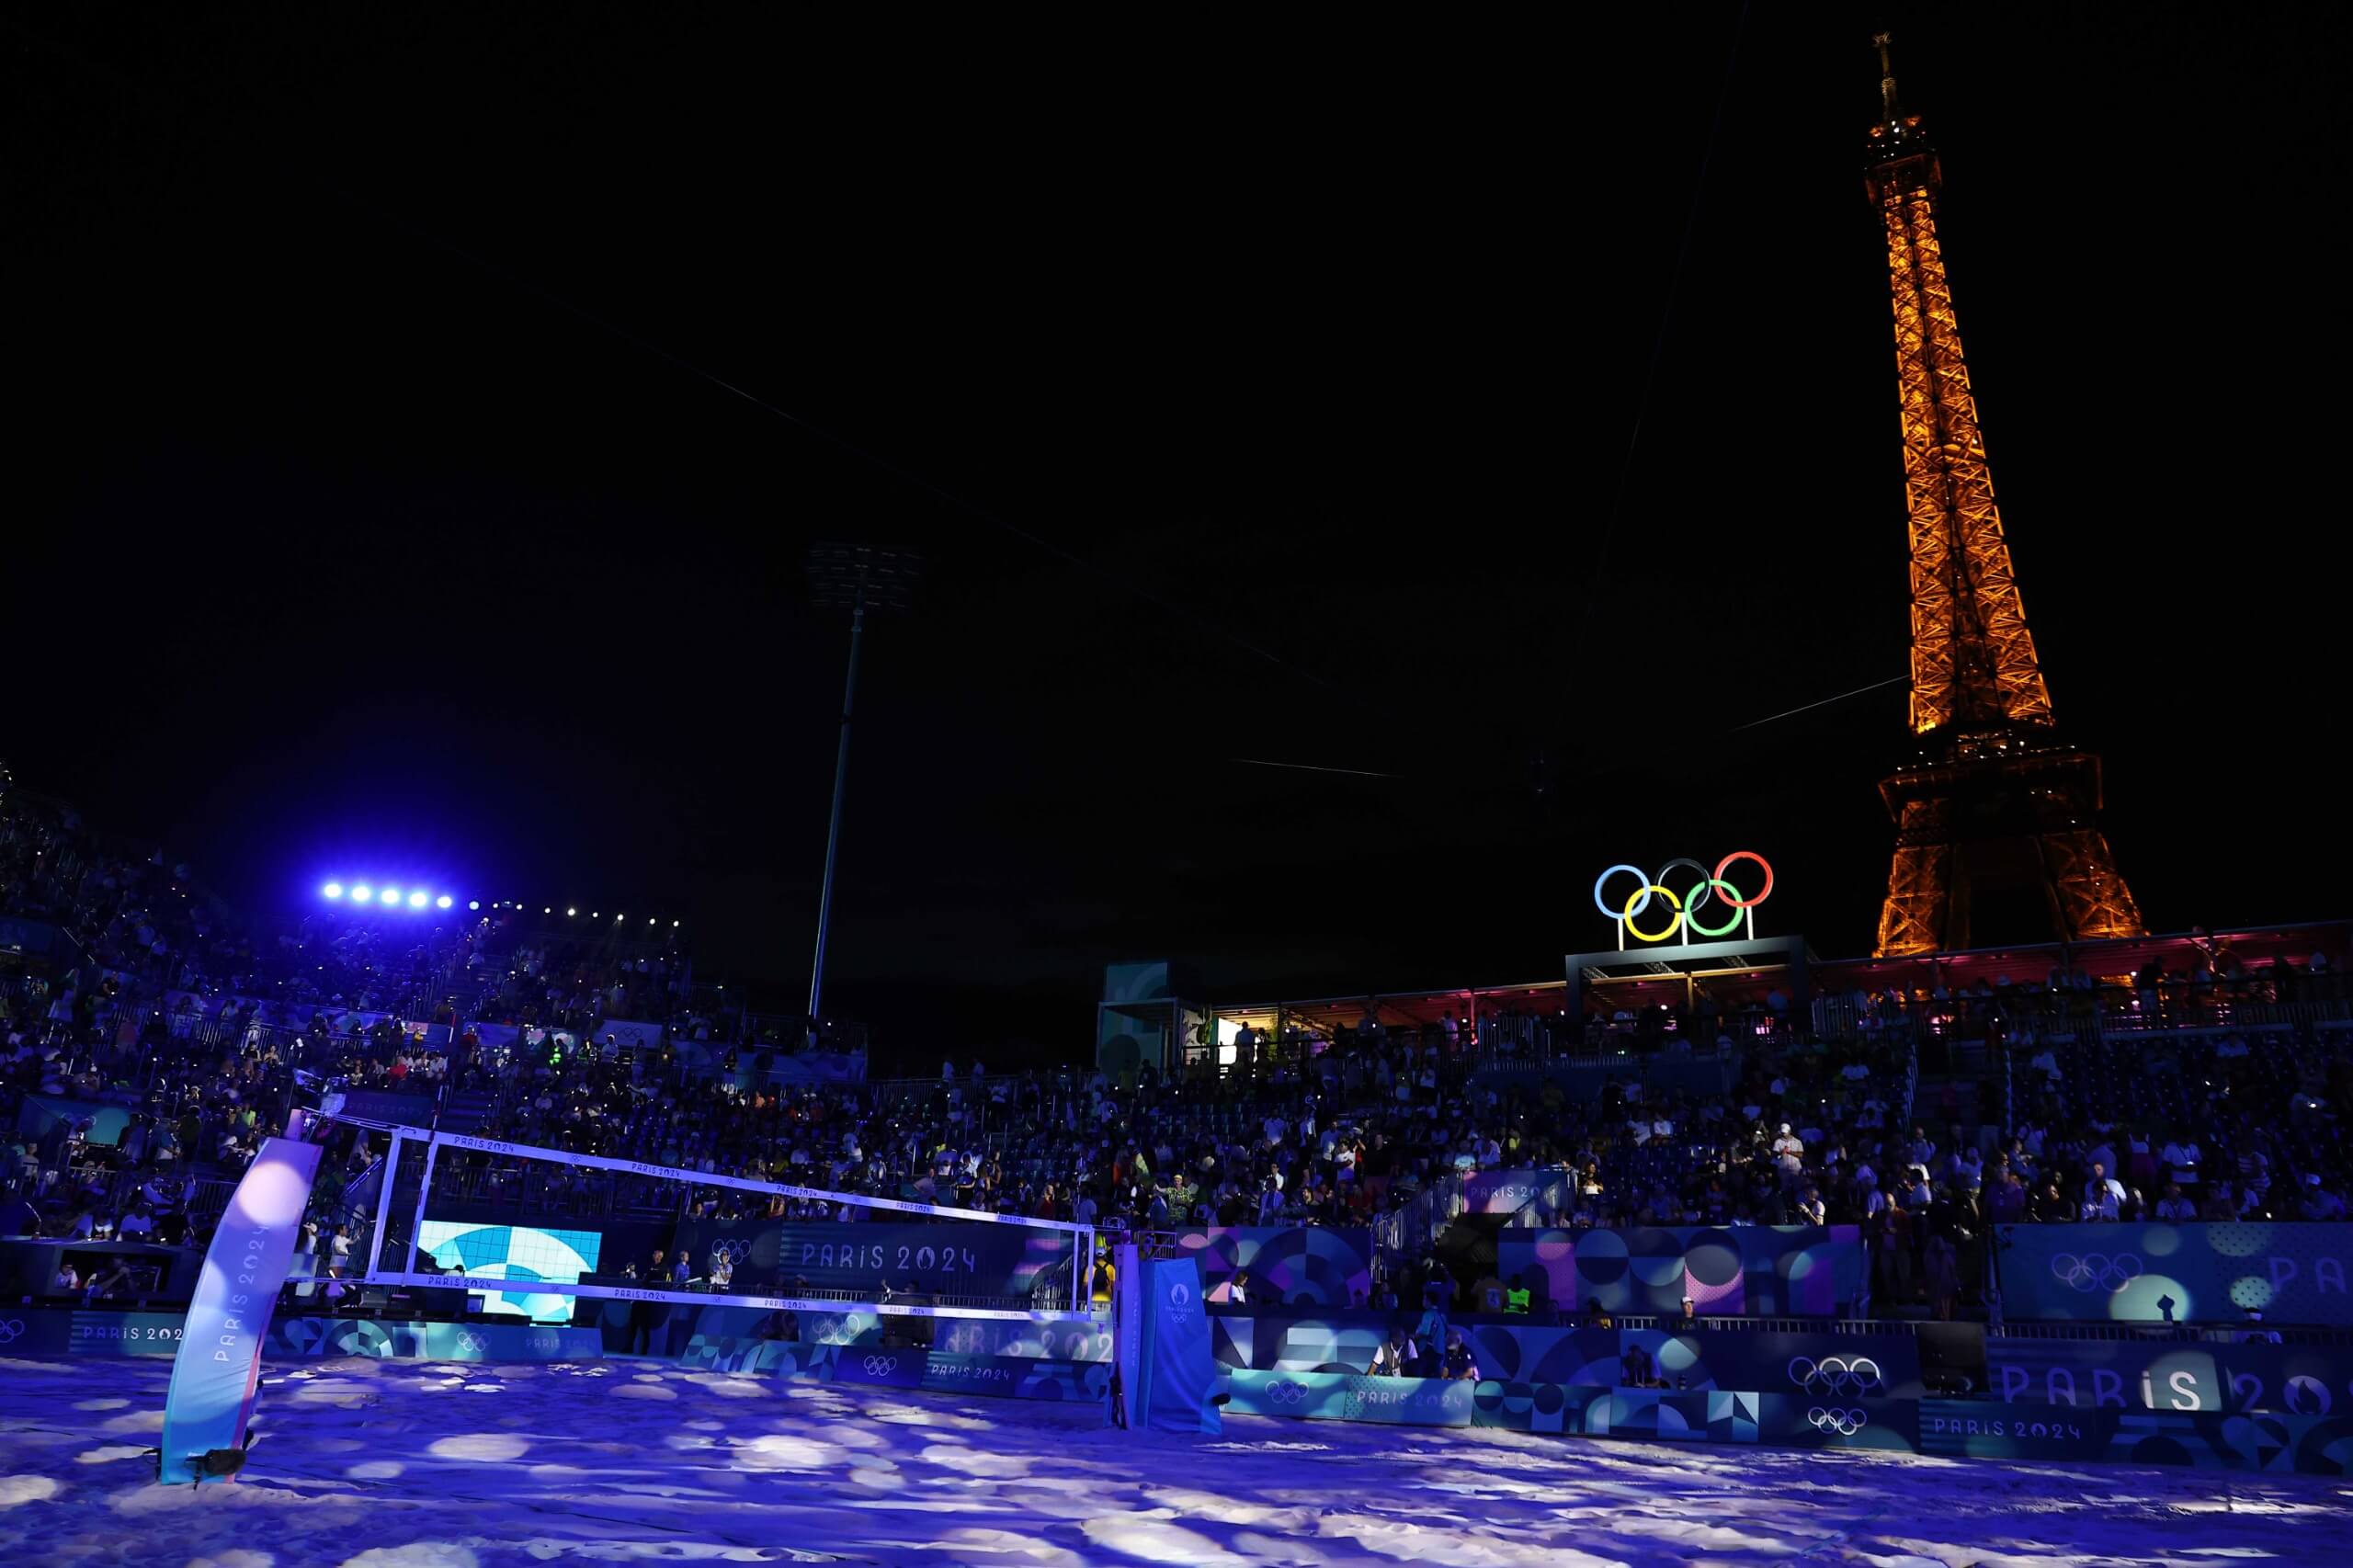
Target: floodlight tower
857 578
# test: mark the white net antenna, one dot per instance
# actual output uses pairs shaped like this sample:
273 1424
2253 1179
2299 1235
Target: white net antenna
552 1209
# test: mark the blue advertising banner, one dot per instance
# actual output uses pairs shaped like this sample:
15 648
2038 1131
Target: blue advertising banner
1352 1396
1752 1270
2175 1376
2295 1273
1544 1195
219 1359
967 1259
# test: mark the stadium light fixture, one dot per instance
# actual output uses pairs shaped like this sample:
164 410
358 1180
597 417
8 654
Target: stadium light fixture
473 903
418 899
361 894
569 912
443 902
391 895
857 578
333 890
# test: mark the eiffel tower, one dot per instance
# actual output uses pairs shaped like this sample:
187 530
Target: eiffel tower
1996 819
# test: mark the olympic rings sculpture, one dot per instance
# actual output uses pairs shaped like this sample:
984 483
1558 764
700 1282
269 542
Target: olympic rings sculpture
1845 1423
1684 907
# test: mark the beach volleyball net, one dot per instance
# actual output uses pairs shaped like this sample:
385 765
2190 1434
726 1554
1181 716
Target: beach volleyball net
529 1232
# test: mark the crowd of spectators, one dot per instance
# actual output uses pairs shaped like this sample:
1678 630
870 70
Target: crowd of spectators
204 1038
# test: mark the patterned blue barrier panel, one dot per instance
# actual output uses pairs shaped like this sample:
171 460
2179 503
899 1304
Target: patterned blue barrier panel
903 1367
326 1338
59 1330
2296 1273
1751 1271
1351 1396
1718 1416
1323 1265
1885 1366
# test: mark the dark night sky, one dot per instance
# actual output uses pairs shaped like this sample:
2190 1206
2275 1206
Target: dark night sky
333 548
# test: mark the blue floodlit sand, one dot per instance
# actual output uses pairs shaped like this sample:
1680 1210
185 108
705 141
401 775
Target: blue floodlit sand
406 1464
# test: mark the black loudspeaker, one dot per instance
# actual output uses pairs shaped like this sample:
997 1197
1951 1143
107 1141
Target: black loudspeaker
1952 1359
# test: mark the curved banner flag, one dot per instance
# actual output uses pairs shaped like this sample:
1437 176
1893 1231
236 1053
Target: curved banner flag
219 1355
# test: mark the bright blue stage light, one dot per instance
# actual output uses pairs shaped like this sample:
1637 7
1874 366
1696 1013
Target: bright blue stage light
333 890
361 894
417 899
473 903
441 903
392 895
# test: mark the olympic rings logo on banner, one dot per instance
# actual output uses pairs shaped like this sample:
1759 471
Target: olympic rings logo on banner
878 1366
1286 1393
10 1329
1837 1374
1683 909
1845 1423
2096 1270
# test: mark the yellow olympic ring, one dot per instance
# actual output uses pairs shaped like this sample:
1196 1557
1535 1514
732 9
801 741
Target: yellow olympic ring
1643 893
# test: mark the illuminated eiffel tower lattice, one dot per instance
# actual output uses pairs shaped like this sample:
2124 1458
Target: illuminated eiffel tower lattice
1998 836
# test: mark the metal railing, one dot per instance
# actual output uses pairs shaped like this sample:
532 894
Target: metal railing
1408 1230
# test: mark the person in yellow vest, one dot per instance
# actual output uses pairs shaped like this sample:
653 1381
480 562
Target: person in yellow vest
1105 1278
1515 1299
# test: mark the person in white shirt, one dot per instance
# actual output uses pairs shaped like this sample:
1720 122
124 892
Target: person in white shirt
2103 1193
